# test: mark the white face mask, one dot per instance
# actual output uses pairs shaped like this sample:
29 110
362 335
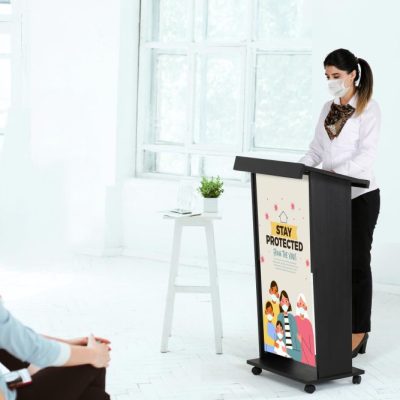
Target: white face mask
269 317
280 335
301 311
336 87
285 307
274 298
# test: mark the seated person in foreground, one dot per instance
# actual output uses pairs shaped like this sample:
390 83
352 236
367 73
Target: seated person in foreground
60 369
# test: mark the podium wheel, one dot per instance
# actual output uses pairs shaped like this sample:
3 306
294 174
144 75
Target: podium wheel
309 388
256 371
357 379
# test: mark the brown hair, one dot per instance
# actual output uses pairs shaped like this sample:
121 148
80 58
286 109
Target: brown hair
345 60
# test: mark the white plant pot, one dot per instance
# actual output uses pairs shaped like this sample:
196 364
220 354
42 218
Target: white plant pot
210 205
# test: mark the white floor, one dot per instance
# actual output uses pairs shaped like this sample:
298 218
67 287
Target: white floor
123 299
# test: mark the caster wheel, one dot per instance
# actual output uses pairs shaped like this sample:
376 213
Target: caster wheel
357 379
256 370
309 388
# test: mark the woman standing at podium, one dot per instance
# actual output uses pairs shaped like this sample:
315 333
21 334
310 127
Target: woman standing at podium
346 142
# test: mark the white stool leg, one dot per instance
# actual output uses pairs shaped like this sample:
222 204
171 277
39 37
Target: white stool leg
170 302
215 299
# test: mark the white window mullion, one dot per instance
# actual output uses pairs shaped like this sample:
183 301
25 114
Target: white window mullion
144 84
191 89
249 96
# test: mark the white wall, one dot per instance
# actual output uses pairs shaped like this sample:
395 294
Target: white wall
55 168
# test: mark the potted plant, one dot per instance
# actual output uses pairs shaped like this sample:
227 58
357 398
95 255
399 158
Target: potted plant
211 189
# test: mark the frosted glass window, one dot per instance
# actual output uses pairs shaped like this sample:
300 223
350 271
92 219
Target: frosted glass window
279 19
5 91
227 20
165 163
5 43
283 101
169 101
171 21
5 9
213 166
218 100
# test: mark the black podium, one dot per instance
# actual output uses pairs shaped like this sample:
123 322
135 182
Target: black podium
302 247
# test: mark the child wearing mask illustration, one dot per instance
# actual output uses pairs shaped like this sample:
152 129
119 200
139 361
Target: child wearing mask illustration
290 326
280 347
274 296
269 328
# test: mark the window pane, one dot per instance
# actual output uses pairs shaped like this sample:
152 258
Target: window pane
165 163
5 9
5 43
283 101
218 99
214 166
5 90
227 20
172 21
284 19
170 98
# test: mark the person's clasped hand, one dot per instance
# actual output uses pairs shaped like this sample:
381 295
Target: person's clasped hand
83 341
101 352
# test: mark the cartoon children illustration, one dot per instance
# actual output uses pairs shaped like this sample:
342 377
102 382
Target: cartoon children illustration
305 332
290 327
269 328
280 347
274 295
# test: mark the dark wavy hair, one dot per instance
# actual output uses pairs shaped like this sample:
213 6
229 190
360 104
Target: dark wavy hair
345 60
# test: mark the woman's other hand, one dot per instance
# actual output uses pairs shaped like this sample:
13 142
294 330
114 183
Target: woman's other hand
100 351
83 341
32 369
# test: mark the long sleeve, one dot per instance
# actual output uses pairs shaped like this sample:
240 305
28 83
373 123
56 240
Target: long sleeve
364 157
313 157
25 344
295 352
271 336
7 393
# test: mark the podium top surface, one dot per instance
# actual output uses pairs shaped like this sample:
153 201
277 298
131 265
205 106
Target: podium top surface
288 170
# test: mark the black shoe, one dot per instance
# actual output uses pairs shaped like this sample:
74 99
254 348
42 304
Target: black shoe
362 346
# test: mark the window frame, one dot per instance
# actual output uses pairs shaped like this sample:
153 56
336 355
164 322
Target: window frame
249 49
12 24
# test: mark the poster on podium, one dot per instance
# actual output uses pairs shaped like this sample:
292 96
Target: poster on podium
285 263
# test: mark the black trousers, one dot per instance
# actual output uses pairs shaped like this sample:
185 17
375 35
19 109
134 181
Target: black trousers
365 211
83 382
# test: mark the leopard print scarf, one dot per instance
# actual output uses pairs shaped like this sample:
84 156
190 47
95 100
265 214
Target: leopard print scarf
336 119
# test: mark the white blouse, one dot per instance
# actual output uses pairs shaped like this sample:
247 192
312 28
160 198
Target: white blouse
354 151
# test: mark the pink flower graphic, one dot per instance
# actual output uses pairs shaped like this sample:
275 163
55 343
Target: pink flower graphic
262 259
292 206
266 215
307 263
276 207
